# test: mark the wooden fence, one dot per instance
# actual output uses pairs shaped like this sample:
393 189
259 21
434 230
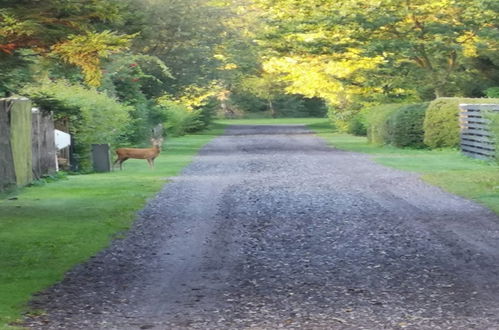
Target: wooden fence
7 169
43 143
477 140
27 148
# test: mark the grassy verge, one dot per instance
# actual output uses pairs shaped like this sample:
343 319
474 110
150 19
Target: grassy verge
45 230
447 168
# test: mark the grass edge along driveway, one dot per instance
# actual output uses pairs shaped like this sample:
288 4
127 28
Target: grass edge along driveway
46 230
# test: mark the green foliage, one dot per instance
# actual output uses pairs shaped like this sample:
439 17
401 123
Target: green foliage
248 102
406 125
492 92
133 77
16 71
38 25
86 51
357 125
343 119
31 31
134 80
185 35
378 123
441 124
400 125
208 110
179 120
425 47
94 117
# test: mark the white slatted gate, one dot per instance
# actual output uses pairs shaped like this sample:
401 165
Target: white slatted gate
477 140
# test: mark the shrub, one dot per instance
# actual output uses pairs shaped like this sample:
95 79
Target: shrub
441 124
492 92
342 118
94 117
406 125
357 125
378 126
208 110
180 120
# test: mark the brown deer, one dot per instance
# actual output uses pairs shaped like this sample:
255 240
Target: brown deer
140 153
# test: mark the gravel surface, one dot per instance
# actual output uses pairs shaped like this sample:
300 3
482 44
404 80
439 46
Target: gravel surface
269 228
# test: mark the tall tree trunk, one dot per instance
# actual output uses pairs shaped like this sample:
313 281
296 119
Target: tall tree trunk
272 109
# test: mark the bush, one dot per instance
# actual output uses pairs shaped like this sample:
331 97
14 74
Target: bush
492 92
180 120
406 125
94 117
208 110
441 124
357 125
343 119
378 122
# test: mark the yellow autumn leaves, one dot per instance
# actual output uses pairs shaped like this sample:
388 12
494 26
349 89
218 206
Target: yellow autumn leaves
336 77
86 51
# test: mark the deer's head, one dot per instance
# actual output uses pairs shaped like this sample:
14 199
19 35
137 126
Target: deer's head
157 142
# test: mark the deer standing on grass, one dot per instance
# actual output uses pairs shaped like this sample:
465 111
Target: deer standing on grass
140 153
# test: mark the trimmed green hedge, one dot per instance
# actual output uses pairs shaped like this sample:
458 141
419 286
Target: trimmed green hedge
357 125
378 127
441 124
406 125
400 125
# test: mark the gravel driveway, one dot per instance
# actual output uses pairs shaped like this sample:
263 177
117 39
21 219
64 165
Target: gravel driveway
270 228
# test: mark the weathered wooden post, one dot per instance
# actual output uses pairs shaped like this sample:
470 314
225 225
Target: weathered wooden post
16 154
43 143
7 170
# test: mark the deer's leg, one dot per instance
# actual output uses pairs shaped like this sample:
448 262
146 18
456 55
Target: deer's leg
150 162
121 163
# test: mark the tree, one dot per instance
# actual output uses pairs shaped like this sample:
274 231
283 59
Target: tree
74 30
431 42
266 86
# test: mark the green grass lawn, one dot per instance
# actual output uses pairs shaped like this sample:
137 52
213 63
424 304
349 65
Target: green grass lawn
45 230
447 168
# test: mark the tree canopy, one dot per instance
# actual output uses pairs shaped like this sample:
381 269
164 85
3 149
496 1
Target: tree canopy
250 54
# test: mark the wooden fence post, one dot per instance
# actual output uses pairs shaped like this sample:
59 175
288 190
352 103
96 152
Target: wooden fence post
20 135
43 144
7 170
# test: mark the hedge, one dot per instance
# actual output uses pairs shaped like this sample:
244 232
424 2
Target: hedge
94 117
406 125
377 118
441 124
